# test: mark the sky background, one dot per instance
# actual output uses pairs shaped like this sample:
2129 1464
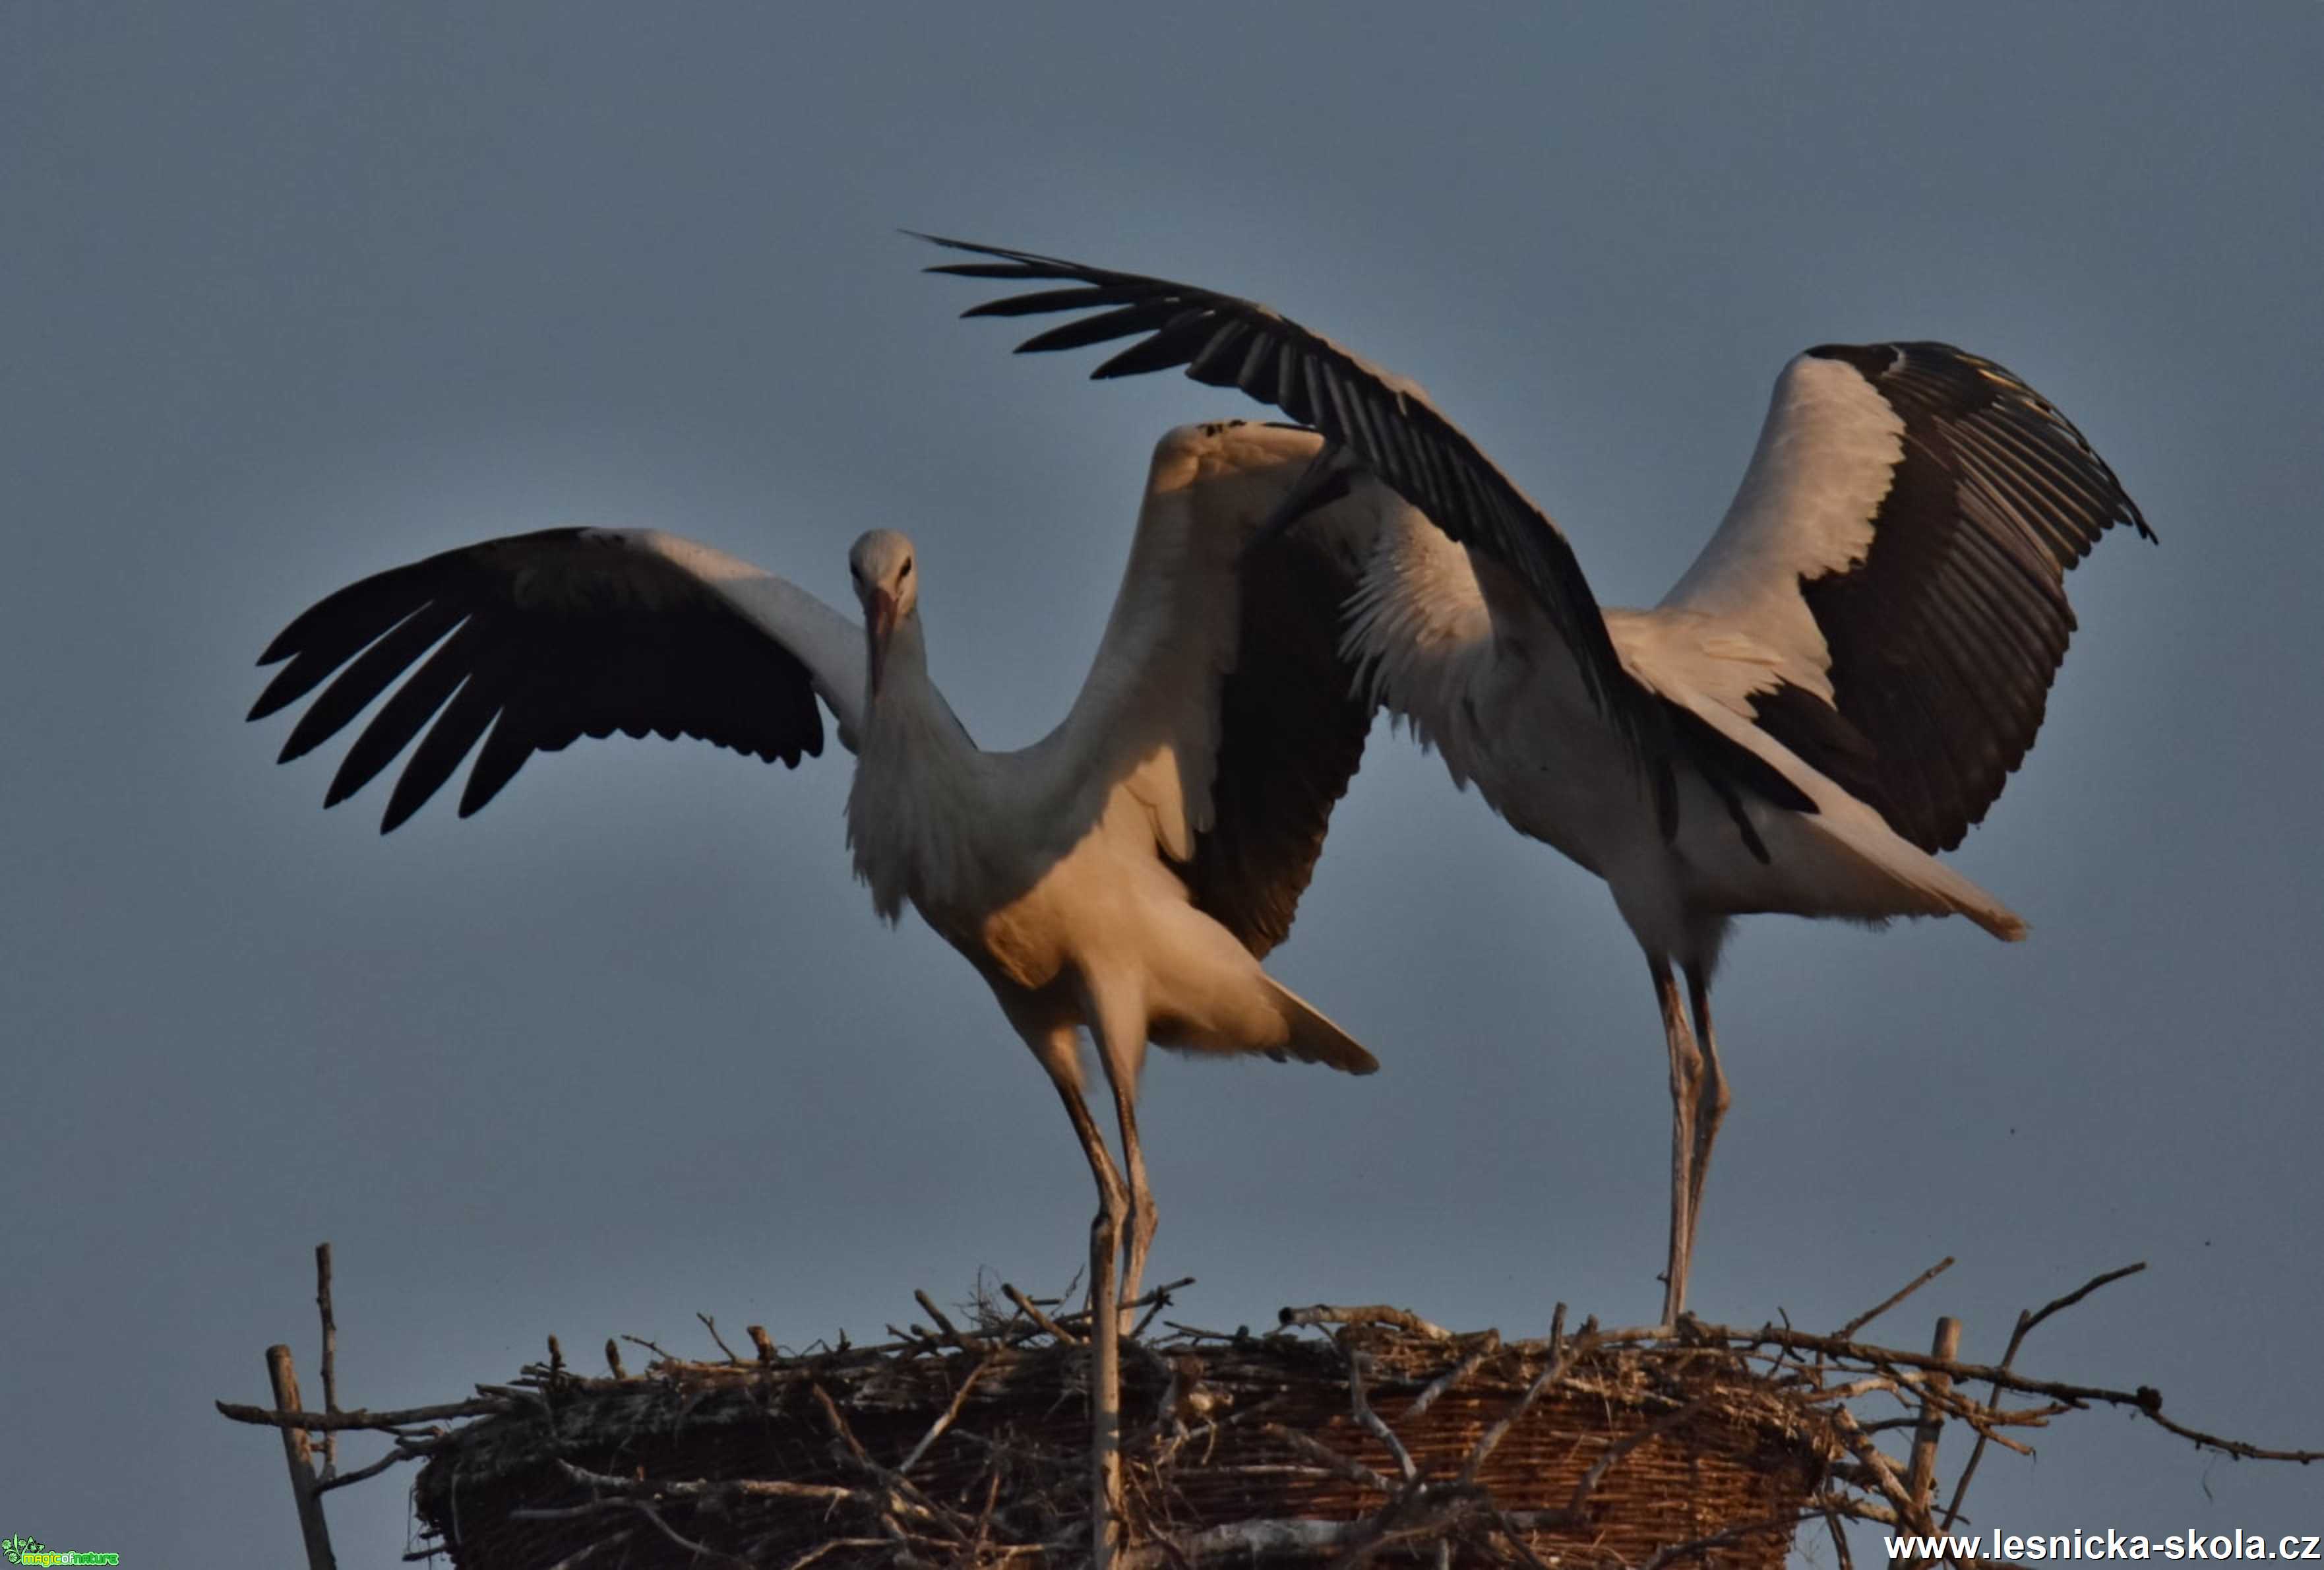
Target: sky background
296 292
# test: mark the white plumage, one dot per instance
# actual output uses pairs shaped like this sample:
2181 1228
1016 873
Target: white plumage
1833 692
1121 875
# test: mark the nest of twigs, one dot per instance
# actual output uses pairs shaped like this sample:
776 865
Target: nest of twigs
1345 1434
1378 1432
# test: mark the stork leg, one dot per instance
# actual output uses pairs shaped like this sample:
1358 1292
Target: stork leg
1105 1312
1142 1220
1686 1089
1711 1100
1116 1012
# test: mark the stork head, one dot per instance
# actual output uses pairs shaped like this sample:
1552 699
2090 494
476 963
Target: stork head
881 566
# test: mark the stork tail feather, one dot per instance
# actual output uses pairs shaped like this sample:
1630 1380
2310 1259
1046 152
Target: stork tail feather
1314 1039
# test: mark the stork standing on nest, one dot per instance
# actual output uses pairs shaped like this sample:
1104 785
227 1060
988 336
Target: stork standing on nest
1122 875
1835 691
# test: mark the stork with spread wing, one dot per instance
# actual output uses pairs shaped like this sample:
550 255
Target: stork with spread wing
1832 694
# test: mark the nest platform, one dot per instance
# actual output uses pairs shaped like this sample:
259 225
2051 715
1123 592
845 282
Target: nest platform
1386 1437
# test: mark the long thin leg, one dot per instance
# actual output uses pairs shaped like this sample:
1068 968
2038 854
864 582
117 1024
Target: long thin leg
1141 1202
1685 1083
1105 1323
1711 1103
1117 1018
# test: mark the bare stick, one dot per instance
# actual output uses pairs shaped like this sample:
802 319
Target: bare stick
2025 1323
1032 1310
400 1454
1487 1345
298 1457
1877 1467
1839 1540
271 1417
1357 1362
711 1489
1590 1480
1160 1299
1802 1341
2076 1296
1344 1468
936 1429
950 1332
712 1326
1105 1393
330 1356
1562 1355
1157 1295
1370 1314
1898 1295
1921 1475
902 1493
2235 1448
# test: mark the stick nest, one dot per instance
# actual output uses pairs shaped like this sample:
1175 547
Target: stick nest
1366 1433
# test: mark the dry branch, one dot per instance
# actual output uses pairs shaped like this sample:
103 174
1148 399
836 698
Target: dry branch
1371 1314
1848 1330
297 1455
330 1356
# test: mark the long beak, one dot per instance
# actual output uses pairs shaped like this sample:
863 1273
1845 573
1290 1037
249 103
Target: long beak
882 611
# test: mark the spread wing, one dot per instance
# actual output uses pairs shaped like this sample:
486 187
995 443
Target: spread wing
1218 698
533 640
1898 548
1385 419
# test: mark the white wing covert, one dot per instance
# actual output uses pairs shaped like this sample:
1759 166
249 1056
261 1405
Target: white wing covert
1896 554
1218 696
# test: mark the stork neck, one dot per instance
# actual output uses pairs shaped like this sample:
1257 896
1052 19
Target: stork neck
906 708
914 808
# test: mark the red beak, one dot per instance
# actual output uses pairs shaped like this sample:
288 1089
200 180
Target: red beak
882 611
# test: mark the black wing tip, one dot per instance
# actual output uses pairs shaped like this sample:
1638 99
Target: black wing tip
951 244
1010 263
1876 361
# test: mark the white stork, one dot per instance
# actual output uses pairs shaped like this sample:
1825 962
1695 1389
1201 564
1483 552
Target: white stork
1833 692
1124 874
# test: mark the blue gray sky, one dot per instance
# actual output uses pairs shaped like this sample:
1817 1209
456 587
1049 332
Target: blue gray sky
295 292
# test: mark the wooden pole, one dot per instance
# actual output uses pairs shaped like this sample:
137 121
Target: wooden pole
300 1459
1105 1391
330 1356
1920 1481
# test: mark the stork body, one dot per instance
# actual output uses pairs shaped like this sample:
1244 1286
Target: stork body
1484 681
1122 876
1832 694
